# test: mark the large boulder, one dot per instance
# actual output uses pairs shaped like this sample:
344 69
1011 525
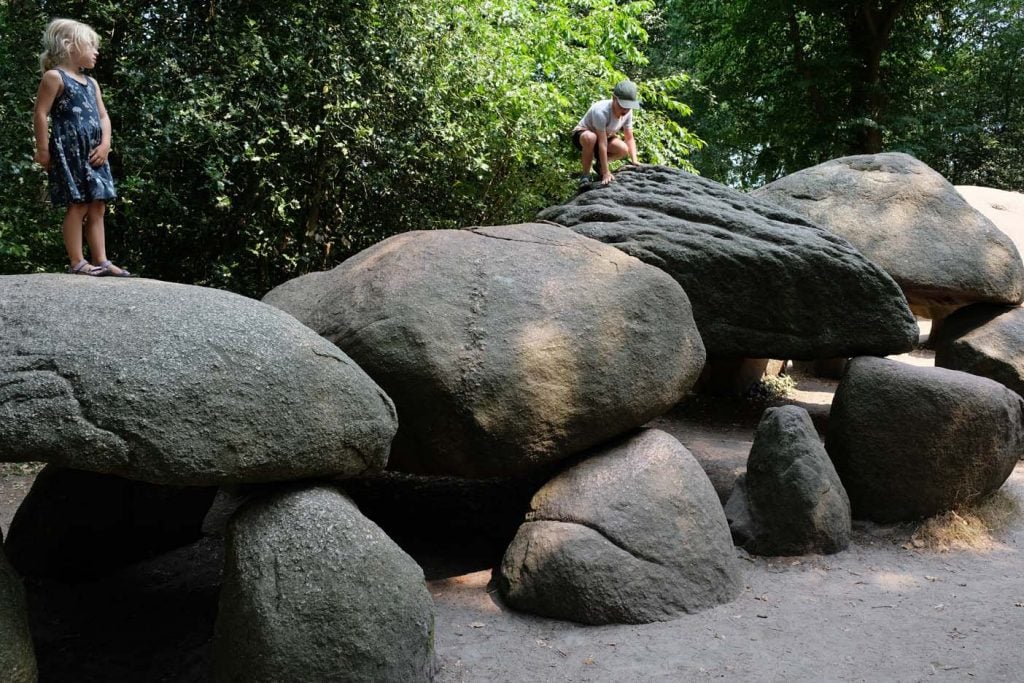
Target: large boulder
909 442
314 591
764 282
791 501
17 657
909 220
505 348
75 524
632 534
174 384
985 340
1004 208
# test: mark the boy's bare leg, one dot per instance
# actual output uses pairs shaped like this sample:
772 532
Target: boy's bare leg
72 230
617 149
587 141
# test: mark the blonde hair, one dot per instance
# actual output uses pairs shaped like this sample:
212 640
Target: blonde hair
61 37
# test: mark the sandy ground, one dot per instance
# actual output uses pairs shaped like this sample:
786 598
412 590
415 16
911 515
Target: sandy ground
884 610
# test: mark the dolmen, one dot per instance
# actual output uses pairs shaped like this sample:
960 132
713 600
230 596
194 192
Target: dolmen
506 349
153 393
532 350
908 219
764 281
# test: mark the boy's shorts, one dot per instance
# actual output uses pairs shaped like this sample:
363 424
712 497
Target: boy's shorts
576 141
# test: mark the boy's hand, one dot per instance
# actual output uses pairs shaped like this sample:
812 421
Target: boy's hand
98 156
42 158
606 178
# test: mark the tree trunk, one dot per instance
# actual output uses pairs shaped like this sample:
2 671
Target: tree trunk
869 26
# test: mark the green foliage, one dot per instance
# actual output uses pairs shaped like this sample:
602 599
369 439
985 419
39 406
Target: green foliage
791 84
255 141
965 114
29 240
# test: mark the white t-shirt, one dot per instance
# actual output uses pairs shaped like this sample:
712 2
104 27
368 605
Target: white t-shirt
600 117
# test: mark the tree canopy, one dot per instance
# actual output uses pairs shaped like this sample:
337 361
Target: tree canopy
791 83
255 141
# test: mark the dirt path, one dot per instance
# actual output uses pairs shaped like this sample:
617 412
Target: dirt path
876 612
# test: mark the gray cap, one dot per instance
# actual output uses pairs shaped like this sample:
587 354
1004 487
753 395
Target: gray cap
625 93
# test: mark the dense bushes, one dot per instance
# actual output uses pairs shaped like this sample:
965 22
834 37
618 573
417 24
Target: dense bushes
254 141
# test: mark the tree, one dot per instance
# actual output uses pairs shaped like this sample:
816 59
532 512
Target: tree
791 83
255 141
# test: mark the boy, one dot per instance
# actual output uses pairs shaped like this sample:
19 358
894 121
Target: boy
596 135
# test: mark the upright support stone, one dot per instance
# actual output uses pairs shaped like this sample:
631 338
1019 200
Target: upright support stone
314 591
17 658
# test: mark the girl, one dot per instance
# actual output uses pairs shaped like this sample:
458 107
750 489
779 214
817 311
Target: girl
75 156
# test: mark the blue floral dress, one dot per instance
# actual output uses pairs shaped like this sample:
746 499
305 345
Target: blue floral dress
75 132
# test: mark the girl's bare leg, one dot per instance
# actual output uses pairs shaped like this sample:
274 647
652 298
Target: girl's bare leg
95 235
72 230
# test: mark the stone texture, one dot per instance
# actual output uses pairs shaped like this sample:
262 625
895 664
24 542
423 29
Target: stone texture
909 220
632 534
313 591
17 658
985 340
909 442
764 282
174 384
505 348
75 524
1005 209
791 501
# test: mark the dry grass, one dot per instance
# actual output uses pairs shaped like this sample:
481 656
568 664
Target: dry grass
773 387
973 527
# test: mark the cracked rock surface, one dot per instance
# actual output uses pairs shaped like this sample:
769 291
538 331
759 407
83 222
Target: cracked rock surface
634 533
909 220
314 591
505 348
764 282
179 385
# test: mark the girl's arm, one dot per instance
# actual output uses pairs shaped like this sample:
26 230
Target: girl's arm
49 88
98 156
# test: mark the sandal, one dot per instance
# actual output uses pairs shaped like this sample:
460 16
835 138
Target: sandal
83 267
107 266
